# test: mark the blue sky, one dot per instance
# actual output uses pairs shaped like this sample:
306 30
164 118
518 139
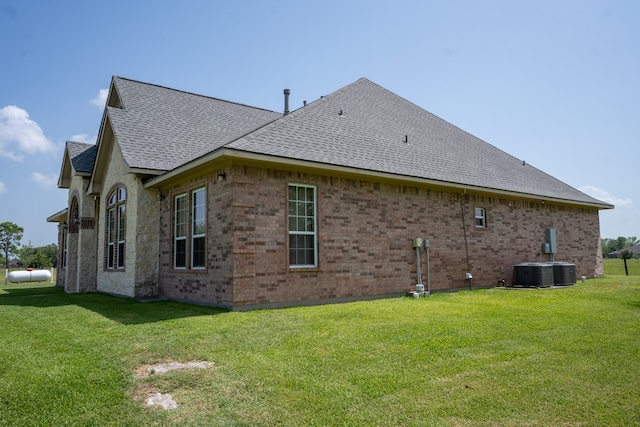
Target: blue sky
554 83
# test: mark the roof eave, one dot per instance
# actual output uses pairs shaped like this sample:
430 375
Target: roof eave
59 216
229 153
145 171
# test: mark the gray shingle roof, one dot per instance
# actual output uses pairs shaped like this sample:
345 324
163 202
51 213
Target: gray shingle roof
160 128
370 134
82 156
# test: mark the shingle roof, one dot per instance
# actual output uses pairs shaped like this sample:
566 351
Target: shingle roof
82 156
381 131
633 249
160 128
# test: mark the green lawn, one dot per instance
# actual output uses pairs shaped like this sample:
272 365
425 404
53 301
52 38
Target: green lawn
615 267
492 357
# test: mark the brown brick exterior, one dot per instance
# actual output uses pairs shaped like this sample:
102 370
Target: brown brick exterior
365 231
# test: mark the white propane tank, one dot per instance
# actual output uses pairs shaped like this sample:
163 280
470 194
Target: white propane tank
29 276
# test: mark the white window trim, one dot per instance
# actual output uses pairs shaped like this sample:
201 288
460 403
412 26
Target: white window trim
111 214
193 221
482 217
116 238
121 235
175 227
306 233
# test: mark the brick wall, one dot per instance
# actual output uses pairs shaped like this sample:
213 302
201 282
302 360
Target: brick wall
212 285
365 231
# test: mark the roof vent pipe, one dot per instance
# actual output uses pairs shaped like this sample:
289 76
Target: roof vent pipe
286 101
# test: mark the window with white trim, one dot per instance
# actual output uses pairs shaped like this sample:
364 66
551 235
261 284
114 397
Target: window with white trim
302 226
180 232
189 229
481 218
116 228
198 228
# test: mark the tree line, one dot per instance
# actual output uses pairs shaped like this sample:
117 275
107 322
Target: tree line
29 256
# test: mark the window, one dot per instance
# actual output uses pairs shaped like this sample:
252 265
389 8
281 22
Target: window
116 228
481 218
189 232
180 232
198 228
64 245
302 226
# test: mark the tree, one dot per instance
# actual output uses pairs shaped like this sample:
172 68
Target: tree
10 236
44 256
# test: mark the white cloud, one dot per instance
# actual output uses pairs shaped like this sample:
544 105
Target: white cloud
3 187
84 137
101 99
17 128
604 195
47 182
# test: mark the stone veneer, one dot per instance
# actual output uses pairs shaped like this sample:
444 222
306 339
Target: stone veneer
80 272
139 278
365 232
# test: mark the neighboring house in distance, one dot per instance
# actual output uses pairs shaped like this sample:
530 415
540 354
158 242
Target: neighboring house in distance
197 199
635 250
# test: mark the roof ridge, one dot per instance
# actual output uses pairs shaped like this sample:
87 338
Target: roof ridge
79 142
192 93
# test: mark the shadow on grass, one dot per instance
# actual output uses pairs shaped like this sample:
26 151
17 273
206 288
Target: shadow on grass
122 310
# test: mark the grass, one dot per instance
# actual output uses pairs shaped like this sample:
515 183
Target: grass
492 357
615 266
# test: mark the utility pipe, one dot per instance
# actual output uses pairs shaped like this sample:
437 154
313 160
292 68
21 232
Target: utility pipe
466 244
418 265
428 272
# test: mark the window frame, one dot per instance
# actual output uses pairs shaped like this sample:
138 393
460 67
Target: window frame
199 214
480 219
295 220
189 229
180 227
116 229
64 251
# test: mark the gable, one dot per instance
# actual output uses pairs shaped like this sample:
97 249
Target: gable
106 145
159 129
78 160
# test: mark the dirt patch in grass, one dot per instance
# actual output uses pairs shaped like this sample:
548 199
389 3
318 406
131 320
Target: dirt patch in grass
161 368
149 394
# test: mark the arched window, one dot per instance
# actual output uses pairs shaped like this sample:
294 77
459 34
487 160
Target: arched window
115 228
74 216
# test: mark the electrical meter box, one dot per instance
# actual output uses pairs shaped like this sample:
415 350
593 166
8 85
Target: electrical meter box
426 243
551 240
417 242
